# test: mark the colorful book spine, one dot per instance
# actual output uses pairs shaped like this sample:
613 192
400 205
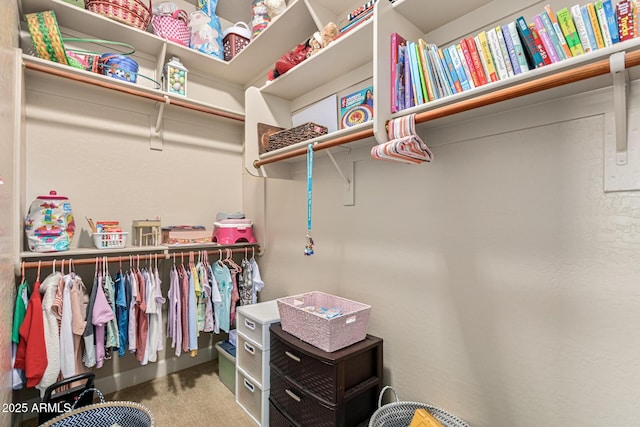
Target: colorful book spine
551 31
625 20
362 9
511 50
580 28
477 61
496 54
450 70
517 44
556 26
427 71
529 43
486 54
546 39
505 51
635 9
473 72
459 69
612 22
398 44
602 20
569 30
539 44
465 65
415 76
443 83
595 24
589 27
409 100
420 69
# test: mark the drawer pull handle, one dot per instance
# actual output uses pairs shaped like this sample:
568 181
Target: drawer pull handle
292 395
292 356
250 386
249 348
249 324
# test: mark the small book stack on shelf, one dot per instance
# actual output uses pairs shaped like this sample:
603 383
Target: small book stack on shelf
358 16
423 72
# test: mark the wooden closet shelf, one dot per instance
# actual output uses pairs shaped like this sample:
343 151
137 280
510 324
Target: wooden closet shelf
561 78
88 79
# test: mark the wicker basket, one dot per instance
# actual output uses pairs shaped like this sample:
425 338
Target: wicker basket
326 334
400 414
131 12
295 134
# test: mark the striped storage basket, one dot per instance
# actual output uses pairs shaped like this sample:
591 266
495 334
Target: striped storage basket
131 12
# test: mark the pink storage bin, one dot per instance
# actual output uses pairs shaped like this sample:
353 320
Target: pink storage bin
327 334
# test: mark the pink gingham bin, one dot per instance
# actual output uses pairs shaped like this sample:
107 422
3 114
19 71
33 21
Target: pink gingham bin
327 334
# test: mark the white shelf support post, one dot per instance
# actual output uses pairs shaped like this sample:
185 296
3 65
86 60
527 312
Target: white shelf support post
622 134
348 198
156 142
620 90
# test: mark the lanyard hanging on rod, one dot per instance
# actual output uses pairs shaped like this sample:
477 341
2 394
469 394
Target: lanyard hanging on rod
308 249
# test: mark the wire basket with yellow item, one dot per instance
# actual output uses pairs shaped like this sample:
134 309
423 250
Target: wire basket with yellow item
401 414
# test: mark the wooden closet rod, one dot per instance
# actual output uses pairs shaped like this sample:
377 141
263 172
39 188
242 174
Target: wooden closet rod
561 78
132 91
146 256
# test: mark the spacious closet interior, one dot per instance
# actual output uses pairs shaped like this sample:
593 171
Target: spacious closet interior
502 274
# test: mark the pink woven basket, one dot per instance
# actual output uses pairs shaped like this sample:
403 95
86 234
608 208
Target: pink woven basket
327 334
173 27
131 12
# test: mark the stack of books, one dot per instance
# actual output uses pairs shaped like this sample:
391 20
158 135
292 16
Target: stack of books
423 72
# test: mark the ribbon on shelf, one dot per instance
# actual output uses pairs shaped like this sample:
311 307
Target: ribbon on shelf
404 145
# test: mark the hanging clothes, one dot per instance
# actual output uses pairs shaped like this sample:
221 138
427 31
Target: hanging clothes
174 313
160 300
19 312
112 334
67 354
203 274
31 354
122 311
79 301
132 336
102 314
222 275
216 299
48 290
142 320
193 321
258 284
245 283
89 356
184 292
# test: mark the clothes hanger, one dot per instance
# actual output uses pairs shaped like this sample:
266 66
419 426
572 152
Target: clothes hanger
39 264
22 280
231 262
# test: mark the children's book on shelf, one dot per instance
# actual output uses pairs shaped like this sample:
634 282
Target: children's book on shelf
511 50
602 22
356 107
488 62
595 24
416 82
556 26
539 45
465 66
625 17
428 71
612 22
496 54
473 70
477 61
398 46
505 51
576 14
549 49
532 53
591 36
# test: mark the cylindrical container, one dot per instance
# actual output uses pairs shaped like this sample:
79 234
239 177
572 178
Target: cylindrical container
49 225
119 67
175 77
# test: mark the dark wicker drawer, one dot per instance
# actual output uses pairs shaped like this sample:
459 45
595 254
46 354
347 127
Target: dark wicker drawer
277 418
332 377
296 404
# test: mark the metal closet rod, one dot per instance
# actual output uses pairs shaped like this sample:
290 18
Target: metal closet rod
135 257
131 91
561 78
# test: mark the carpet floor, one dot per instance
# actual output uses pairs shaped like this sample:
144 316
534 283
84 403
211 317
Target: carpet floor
191 397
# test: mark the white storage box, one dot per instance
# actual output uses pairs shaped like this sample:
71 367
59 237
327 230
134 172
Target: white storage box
110 240
327 334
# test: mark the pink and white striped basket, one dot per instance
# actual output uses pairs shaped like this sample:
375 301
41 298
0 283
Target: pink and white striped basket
174 27
327 334
131 12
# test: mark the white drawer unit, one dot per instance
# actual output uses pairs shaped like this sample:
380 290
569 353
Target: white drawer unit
252 358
